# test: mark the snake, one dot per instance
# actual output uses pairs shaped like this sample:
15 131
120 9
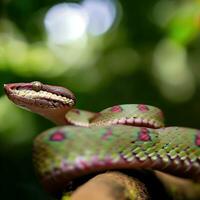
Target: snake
128 136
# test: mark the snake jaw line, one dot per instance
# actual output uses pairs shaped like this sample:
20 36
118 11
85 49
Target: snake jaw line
31 94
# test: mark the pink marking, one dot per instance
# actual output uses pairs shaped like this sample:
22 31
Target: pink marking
56 171
57 136
81 163
106 135
161 115
197 139
76 111
122 121
116 109
108 160
144 135
64 166
96 161
143 108
144 130
130 121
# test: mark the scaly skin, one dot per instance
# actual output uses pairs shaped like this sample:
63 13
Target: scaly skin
128 114
65 153
104 141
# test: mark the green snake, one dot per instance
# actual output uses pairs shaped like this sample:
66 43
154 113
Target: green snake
130 136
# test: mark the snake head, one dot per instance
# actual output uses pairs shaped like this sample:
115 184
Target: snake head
49 101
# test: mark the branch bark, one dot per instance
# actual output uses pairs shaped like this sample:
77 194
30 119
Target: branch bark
111 186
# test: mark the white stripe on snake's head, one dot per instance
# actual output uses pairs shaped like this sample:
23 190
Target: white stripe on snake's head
47 100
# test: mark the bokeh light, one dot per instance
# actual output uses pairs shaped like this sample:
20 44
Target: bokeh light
65 22
101 13
172 72
181 21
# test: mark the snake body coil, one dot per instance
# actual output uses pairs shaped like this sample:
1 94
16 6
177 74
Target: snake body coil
65 153
121 137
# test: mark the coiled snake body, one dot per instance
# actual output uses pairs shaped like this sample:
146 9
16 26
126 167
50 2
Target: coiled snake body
121 137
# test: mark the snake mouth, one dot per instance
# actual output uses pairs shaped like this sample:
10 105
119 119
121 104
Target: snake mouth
41 95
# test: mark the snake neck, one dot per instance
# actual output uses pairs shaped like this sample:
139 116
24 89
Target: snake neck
56 116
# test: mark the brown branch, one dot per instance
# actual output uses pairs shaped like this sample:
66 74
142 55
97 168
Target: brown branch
118 186
111 186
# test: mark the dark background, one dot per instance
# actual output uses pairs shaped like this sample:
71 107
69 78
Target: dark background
150 55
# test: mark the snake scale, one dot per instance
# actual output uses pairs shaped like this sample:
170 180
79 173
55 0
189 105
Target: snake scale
130 136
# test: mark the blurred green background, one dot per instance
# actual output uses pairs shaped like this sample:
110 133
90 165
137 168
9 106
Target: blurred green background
108 52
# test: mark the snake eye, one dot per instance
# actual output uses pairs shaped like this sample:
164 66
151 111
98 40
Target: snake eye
36 85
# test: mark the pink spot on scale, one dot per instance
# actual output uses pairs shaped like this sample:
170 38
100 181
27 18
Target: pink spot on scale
76 111
161 115
197 139
116 109
143 108
96 161
107 135
108 160
57 136
81 163
144 135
